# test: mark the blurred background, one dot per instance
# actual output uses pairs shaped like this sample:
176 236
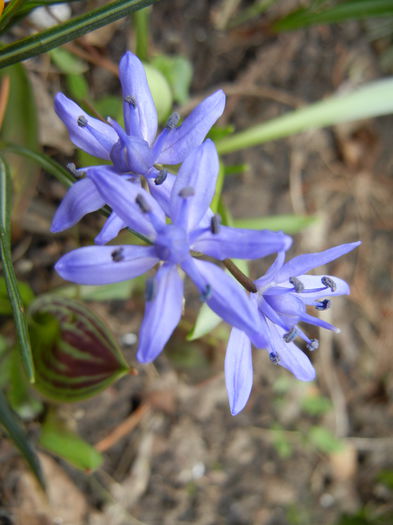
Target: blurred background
299 453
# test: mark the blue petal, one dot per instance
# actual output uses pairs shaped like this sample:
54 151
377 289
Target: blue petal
106 264
240 243
199 173
121 196
69 112
269 276
227 298
110 229
162 313
290 356
134 84
179 142
313 282
80 199
238 370
304 263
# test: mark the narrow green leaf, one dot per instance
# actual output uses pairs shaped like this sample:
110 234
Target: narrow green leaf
18 436
60 34
287 223
61 441
371 100
140 22
9 273
46 162
355 10
25 292
219 185
67 62
205 322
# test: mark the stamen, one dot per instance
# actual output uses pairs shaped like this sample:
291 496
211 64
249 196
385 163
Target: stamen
161 177
206 294
291 335
82 121
150 289
215 223
297 284
173 120
274 358
130 99
323 305
329 283
117 255
73 169
187 191
142 203
313 345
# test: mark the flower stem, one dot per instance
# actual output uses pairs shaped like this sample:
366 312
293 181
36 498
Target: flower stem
240 276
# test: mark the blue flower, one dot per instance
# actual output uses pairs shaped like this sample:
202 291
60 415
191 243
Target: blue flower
193 230
282 296
135 149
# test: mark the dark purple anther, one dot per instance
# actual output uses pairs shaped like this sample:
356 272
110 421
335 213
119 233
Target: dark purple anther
313 345
150 289
161 177
141 201
82 121
215 223
329 283
297 284
130 100
173 120
117 254
206 294
187 191
323 305
274 358
291 335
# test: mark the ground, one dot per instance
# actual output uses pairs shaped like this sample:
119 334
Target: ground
299 454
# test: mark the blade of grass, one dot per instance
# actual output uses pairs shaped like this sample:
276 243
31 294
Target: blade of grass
18 436
67 31
371 100
9 273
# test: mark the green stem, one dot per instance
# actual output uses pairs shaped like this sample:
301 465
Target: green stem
56 36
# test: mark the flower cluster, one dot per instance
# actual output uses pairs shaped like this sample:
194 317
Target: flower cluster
184 236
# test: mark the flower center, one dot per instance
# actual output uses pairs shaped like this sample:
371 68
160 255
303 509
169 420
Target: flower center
172 244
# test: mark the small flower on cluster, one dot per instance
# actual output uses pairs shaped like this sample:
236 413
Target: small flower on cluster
193 229
134 150
282 296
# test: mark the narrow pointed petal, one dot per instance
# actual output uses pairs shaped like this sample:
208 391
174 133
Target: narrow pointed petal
310 319
80 199
227 298
303 263
199 173
106 264
238 370
290 356
69 112
134 84
162 313
179 142
241 243
110 230
121 196
270 275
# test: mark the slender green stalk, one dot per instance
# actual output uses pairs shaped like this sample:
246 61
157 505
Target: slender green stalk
9 273
371 100
67 31
140 20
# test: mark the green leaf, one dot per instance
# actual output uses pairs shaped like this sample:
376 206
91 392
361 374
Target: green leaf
60 34
77 86
205 322
18 436
160 90
324 440
287 223
61 441
140 23
315 405
9 273
25 292
178 72
104 292
219 185
48 164
349 10
67 62
371 100
74 352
